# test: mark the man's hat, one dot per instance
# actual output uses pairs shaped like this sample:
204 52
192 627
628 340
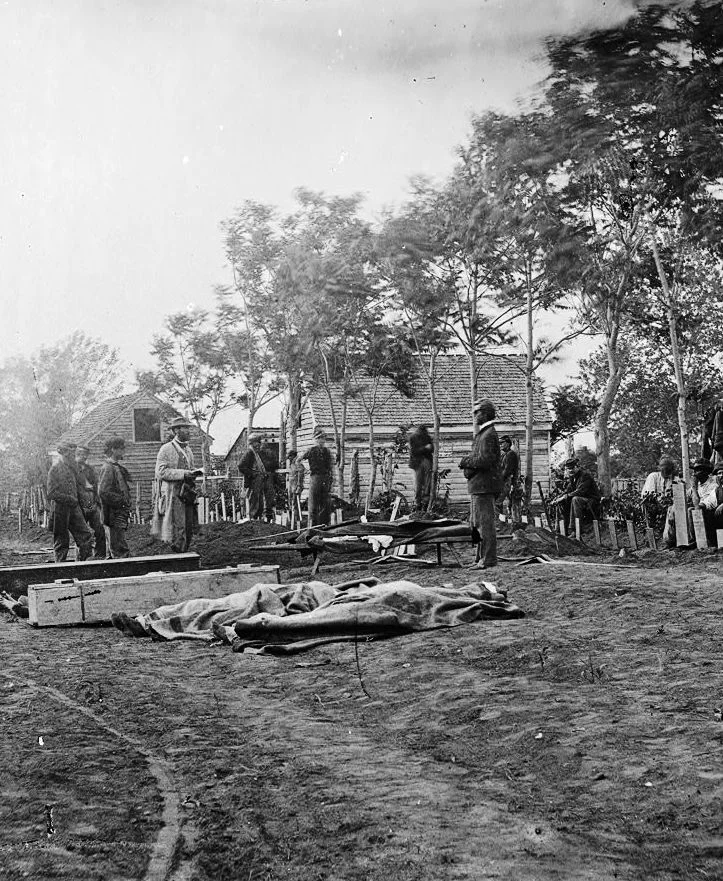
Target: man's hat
83 448
483 404
319 432
506 437
180 422
702 465
292 454
571 463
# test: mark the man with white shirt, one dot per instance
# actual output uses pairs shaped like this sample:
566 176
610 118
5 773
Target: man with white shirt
174 511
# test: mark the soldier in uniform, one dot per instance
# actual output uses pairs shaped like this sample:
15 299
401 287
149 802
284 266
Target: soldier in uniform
89 499
67 516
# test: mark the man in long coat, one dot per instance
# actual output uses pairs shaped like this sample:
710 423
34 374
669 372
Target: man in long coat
174 514
62 489
320 479
421 452
483 471
253 470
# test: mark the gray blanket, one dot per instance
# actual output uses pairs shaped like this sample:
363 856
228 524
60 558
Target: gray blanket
285 618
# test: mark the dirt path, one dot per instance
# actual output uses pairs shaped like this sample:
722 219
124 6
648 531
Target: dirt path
582 742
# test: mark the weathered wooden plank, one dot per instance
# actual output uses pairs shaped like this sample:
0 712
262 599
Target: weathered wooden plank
650 538
701 539
93 602
631 534
596 532
613 533
15 579
719 538
578 529
681 514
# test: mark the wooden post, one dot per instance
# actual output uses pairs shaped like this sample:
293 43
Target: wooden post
578 530
596 532
631 534
681 514
719 538
650 538
701 539
223 505
233 507
561 526
613 532
138 503
538 522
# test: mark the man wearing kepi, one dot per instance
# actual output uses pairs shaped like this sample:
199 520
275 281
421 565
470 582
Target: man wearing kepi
67 516
483 471
115 496
89 499
174 514
320 479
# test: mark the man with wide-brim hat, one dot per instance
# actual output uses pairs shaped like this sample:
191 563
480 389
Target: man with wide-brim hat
65 511
320 479
253 470
482 468
174 509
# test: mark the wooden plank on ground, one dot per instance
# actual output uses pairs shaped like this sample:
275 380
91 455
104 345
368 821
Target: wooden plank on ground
93 602
631 534
681 514
701 539
15 579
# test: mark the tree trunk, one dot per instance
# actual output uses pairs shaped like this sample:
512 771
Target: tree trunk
472 359
341 467
530 402
670 304
436 426
601 429
293 410
372 464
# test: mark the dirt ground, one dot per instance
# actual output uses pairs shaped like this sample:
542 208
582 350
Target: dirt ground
584 741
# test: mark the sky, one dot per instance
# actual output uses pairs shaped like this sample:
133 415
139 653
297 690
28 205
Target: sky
130 129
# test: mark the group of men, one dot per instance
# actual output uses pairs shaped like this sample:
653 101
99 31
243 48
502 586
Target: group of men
259 465
705 494
93 509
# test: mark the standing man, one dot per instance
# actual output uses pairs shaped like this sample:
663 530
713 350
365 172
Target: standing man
67 516
115 497
483 471
320 480
271 464
174 514
89 499
421 452
253 471
297 473
510 476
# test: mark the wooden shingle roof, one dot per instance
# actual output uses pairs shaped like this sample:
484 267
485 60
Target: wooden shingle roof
499 377
109 411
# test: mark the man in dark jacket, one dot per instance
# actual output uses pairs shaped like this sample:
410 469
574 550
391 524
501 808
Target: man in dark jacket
510 476
254 473
89 499
115 496
271 464
421 451
320 479
581 495
483 471
65 509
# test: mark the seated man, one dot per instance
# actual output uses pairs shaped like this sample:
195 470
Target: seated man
718 514
706 486
657 493
581 495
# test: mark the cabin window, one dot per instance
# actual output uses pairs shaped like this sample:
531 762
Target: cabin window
147 425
